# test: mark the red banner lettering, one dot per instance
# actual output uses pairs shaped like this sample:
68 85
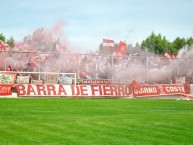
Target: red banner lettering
147 90
173 89
5 89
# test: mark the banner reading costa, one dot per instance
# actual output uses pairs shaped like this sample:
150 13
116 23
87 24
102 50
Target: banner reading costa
173 89
146 90
71 90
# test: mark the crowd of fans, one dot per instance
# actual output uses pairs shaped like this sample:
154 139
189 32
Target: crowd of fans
95 66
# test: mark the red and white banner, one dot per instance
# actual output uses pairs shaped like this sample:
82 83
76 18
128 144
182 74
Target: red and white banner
5 89
102 90
173 89
108 44
146 90
70 90
162 89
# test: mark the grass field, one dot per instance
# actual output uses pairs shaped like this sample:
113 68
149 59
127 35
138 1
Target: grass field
66 121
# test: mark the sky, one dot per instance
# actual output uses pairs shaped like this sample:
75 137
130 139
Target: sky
87 22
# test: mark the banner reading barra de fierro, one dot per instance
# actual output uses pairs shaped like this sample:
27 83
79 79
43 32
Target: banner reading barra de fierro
99 90
71 90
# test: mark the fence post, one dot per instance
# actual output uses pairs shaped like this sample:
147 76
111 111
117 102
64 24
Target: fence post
147 77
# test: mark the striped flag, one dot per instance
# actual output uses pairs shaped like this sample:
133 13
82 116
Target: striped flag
168 54
108 44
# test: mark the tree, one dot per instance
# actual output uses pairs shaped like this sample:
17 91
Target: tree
156 44
2 37
178 43
10 42
189 41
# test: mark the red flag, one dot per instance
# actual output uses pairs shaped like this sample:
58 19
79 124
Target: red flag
108 44
175 55
168 54
121 50
3 46
135 85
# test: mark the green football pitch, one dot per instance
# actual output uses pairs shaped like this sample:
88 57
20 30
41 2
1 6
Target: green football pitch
68 121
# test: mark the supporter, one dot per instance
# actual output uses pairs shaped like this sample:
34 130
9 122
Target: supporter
9 68
14 89
29 67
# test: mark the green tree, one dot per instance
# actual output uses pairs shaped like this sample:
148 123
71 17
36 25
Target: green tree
156 44
178 43
2 37
10 42
189 41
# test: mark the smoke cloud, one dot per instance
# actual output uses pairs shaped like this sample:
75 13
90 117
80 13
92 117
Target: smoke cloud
48 50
